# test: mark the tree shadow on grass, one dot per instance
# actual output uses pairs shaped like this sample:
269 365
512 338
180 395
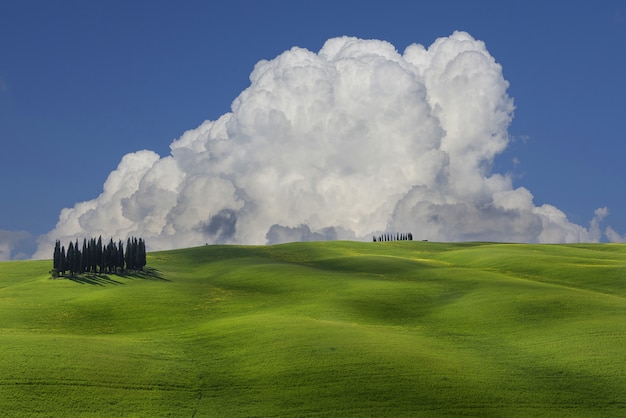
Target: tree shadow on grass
148 273
98 279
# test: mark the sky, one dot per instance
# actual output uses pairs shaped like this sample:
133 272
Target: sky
194 122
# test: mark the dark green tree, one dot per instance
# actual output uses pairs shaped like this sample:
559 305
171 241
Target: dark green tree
93 260
83 257
62 262
100 255
71 258
78 256
141 251
130 258
120 255
56 259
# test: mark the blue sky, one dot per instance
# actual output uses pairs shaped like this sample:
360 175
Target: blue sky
84 83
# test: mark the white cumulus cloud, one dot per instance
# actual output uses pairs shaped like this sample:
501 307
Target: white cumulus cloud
350 141
15 245
614 236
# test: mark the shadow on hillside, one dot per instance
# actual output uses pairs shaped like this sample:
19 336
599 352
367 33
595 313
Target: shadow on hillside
94 279
148 273
98 279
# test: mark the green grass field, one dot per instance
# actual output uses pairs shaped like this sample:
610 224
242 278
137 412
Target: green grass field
322 329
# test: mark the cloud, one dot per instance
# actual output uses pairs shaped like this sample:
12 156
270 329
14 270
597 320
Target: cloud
221 228
614 236
279 234
15 245
595 233
350 141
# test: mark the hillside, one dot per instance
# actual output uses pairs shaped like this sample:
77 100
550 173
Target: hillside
322 329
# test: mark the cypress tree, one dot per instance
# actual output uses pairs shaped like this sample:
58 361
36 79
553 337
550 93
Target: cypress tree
84 262
111 259
56 259
142 254
136 256
99 254
120 255
93 261
70 258
77 256
62 262
130 256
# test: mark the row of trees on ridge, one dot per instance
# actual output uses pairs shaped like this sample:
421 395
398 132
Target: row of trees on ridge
397 236
94 257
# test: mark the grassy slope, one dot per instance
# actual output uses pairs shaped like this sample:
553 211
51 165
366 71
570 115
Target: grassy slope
336 328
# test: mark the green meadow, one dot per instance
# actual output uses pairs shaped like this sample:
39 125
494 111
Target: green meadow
322 329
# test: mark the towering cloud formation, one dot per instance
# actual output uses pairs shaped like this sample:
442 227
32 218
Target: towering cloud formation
350 141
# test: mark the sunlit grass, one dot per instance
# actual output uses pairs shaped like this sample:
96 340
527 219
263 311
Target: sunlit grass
323 329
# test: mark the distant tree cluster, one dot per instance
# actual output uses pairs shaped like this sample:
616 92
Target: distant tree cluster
393 236
94 257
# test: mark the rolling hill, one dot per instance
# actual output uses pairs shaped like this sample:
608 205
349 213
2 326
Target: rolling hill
322 329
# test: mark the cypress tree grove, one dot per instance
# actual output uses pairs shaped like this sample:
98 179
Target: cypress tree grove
98 259
391 236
